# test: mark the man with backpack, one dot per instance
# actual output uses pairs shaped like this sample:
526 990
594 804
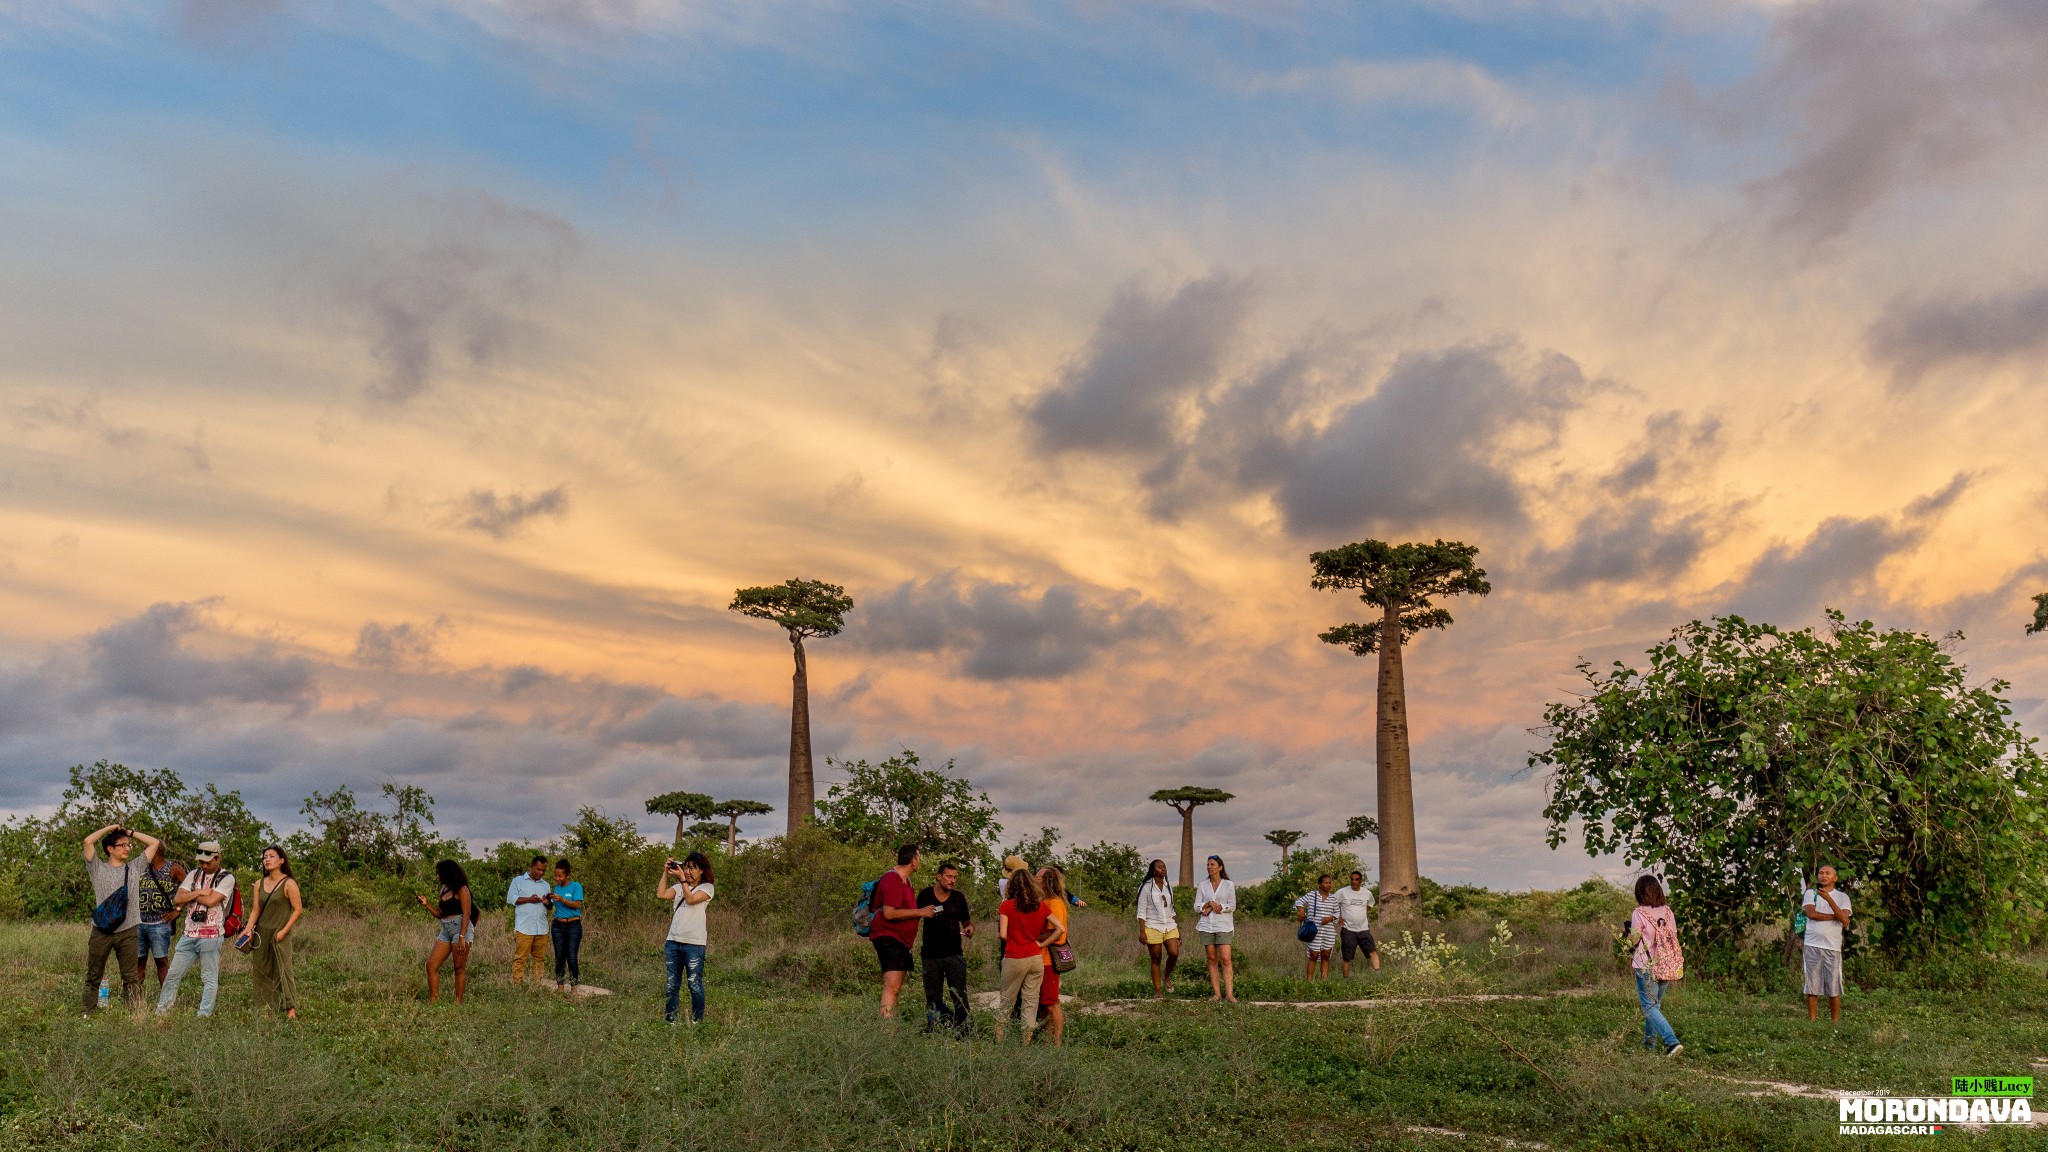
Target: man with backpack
213 913
894 926
117 909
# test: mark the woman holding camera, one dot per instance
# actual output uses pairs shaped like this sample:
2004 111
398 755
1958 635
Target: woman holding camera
686 884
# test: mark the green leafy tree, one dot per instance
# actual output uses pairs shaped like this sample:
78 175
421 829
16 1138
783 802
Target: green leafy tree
343 835
1403 582
705 830
806 609
1185 800
1107 873
1039 850
1276 894
2040 623
1355 829
731 811
684 806
1284 839
616 865
898 802
1747 755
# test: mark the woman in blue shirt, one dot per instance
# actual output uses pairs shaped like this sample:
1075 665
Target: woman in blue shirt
567 902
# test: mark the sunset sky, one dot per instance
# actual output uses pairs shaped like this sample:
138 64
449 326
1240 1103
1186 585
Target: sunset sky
398 391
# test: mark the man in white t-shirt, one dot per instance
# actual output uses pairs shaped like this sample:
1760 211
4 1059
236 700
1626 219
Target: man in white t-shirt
1827 921
1354 922
208 895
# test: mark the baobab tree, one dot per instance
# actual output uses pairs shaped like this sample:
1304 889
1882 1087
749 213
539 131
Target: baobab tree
1401 581
806 609
732 810
1285 838
684 806
1184 801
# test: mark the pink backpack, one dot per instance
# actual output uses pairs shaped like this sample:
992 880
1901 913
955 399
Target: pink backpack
1667 959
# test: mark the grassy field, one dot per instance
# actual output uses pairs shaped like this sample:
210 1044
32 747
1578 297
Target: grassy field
792 1056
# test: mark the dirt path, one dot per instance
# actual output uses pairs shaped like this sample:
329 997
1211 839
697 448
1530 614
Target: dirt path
1104 1007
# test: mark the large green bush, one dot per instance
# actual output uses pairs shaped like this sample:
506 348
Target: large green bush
1747 755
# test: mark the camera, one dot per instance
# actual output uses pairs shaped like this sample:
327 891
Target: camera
199 915
675 864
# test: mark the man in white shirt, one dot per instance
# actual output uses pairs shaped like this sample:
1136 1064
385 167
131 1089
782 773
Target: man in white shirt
208 895
529 896
1354 922
1827 921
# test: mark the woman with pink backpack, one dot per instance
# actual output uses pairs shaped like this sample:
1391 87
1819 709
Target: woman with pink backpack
1658 962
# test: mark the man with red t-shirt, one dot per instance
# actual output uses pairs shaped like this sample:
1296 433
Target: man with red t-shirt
894 928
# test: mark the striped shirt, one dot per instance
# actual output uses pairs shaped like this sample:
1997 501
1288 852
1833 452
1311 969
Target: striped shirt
1318 906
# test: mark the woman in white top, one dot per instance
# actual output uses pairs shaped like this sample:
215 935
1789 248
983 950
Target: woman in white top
1158 928
1215 900
686 884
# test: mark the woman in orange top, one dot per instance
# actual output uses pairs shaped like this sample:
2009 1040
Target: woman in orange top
1054 883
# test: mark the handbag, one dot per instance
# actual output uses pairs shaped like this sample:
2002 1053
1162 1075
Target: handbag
1063 960
1309 927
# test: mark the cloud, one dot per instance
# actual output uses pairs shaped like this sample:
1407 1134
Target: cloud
1148 356
1436 83
1427 445
455 290
173 686
400 645
1634 533
1002 631
483 510
146 658
1883 94
1840 558
1919 334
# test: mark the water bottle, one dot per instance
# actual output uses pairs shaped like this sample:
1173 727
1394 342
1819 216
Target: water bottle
103 992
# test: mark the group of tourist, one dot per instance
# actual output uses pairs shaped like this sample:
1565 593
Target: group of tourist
138 901
136 905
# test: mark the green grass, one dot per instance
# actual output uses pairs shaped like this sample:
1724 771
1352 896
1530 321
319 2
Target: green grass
793 1058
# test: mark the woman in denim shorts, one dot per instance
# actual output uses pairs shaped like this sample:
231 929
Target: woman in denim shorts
458 928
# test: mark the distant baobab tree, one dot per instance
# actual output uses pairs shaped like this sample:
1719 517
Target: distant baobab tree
732 810
1401 581
804 609
684 806
1185 800
2040 623
1284 838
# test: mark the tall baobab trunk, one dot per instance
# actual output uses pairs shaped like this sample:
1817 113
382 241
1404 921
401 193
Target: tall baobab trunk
803 796
732 831
1400 889
1187 845
680 817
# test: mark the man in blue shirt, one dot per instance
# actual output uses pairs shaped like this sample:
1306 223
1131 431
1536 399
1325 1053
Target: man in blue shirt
528 895
567 902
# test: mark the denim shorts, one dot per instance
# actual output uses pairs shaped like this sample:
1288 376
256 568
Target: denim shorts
154 940
452 931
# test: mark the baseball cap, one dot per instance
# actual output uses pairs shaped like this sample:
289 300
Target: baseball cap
208 850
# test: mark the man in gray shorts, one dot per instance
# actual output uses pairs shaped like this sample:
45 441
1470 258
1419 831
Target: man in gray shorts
1827 921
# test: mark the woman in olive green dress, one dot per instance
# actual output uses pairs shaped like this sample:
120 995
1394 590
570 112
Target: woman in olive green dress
278 908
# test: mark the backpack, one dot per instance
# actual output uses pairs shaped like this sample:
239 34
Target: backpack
1667 959
232 926
864 908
